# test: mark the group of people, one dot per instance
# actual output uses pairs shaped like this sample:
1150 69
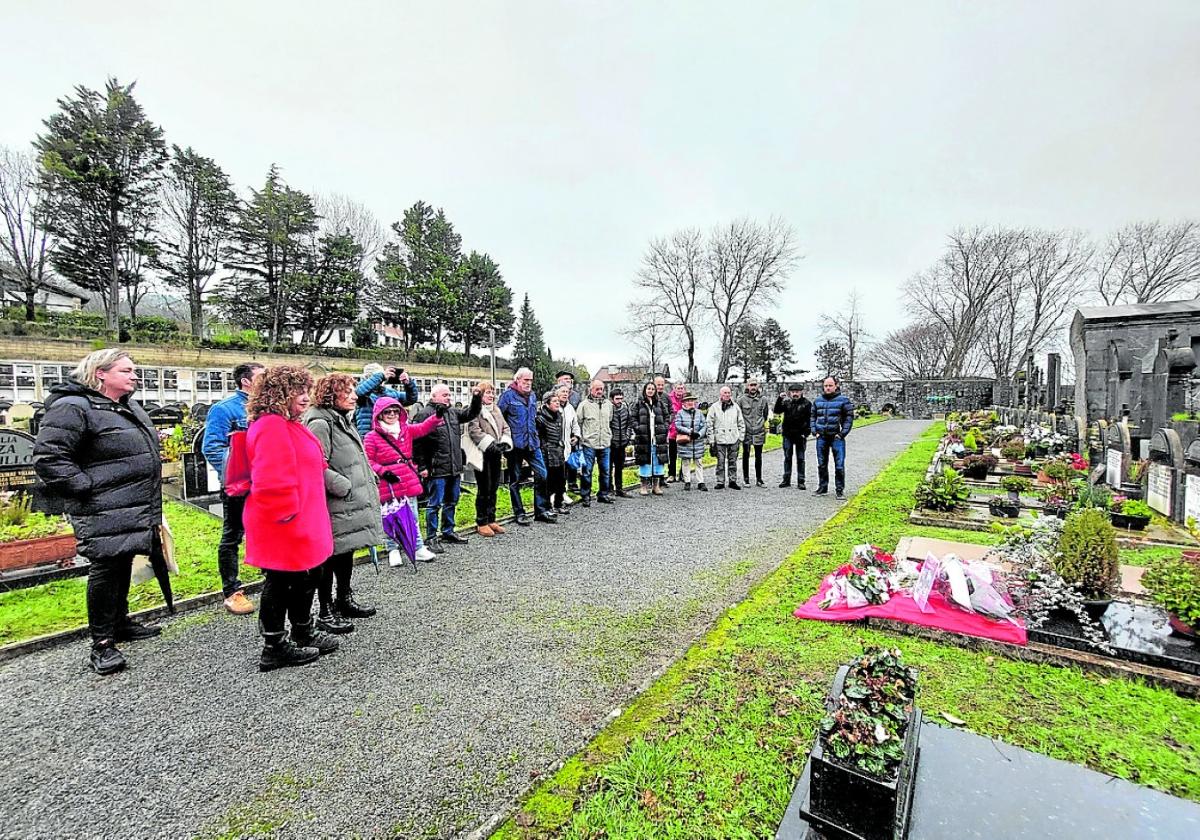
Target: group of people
326 458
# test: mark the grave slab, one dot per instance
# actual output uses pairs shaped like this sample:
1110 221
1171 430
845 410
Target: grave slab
969 786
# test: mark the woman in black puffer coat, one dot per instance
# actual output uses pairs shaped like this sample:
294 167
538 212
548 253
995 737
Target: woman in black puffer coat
97 449
550 432
650 424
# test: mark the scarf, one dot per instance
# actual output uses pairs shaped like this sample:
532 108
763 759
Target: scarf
392 429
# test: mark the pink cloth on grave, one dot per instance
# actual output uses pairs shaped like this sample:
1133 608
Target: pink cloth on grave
903 608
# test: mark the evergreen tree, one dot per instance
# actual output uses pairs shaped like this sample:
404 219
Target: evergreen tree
529 348
323 294
101 160
777 359
484 302
832 359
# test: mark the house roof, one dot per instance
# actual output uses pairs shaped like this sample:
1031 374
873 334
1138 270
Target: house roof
628 373
57 285
1138 310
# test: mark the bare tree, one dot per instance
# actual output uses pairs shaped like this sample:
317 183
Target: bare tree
958 290
1147 262
917 351
26 243
342 214
653 339
847 328
672 273
746 267
1051 272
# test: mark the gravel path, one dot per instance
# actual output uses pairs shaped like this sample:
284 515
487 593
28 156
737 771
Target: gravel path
477 674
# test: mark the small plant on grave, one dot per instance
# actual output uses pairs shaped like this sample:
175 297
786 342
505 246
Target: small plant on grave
18 520
1174 584
1088 554
171 444
1015 484
941 491
969 442
1014 449
865 731
1136 471
1135 508
1036 586
1059 472
1092 496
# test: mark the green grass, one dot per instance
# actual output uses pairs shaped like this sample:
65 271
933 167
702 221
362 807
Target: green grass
61 604
713 748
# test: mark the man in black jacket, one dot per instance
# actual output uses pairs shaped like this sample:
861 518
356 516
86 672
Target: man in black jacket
440 452
622 435
797 416
98 451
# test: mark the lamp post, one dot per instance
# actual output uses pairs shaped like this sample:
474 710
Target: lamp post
492 342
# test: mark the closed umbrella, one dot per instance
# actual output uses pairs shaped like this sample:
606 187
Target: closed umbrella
400 524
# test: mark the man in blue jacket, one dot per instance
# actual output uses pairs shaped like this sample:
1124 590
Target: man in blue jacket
373 385
519 407
832 418
224 418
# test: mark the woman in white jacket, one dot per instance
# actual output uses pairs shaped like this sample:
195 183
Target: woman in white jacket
484 440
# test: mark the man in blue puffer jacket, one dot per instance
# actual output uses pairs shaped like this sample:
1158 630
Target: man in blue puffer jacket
519 407
832 418
371 387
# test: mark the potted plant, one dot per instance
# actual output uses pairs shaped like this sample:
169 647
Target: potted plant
1087 558
1055 504
1056 472
1015 485
969 442
941 491
171 447
1004 508
31 538
864 757
1013 450
976 467
1132 514
1131 487
1174 584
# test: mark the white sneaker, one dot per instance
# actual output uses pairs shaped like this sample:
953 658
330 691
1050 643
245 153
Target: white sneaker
425 555
395 558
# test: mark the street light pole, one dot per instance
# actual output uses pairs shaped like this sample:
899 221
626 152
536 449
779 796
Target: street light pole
492 342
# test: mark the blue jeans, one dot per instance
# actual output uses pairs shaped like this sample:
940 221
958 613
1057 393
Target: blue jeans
533 457
798 446
443 498
838 445
591 458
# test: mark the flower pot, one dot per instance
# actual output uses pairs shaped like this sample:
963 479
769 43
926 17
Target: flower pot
1060 511
1131 489
1096 608
1187 631
1004 508
1043 478
847 803
1022 469
1130 523
1014 495
23 554
172 470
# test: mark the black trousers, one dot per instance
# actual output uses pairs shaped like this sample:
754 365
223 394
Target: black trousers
286 596
616 457
232 532
556 485
758 447
486 485
338 567
673 456
108 595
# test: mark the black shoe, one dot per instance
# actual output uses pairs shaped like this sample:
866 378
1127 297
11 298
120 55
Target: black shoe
801 486
759 483
332 622
546 518
720 485
822 491
687 486
733 485
352 609
307 637
604 500
787 482
454 539
435 546
524 519
623 495
105 659
840 494
285 654
562 511
703 487
133 631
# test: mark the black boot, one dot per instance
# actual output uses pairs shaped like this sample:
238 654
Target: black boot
331 621
839 482
306 636
105 659
622 494
350 608
703 488
134 631
279 652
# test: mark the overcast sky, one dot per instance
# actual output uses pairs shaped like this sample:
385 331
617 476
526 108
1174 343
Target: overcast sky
560 136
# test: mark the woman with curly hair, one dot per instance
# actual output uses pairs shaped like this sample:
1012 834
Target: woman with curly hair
288 532
350 494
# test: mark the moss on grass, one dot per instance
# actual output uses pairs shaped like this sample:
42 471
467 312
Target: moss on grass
713 748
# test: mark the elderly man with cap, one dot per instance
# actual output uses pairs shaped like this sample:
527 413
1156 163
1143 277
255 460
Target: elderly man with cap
797 418
567 379
691 432
373 385
754 408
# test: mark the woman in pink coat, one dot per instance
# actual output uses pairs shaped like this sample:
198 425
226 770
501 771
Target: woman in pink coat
288 531
389 447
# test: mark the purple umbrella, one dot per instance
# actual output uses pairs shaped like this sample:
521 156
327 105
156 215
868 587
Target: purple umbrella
400 524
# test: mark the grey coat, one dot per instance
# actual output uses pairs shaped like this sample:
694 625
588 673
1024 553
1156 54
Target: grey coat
350 486
755 411
691 422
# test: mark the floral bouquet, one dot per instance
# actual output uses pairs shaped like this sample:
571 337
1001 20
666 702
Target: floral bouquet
852 586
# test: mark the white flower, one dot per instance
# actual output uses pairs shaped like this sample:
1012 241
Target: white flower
880 733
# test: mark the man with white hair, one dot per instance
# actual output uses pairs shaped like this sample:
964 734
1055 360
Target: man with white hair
440 452
520 407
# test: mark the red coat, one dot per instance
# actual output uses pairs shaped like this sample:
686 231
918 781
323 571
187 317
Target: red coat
383 457
287 479
676 404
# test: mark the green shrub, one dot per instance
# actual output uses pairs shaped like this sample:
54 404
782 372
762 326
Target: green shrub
1088 553
1014 450
942 491
1136 507
1015 484
1059 471
1088 495
1174 584
969 441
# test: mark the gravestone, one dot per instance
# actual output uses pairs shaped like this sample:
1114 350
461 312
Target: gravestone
199 478
166 418
17 474
1162 476
1191 485
1117 454
1053 381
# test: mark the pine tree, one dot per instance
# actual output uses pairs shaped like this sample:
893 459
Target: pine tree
323 294
484 302
529 348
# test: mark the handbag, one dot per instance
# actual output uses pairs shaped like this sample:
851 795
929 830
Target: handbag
237 466
575 459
